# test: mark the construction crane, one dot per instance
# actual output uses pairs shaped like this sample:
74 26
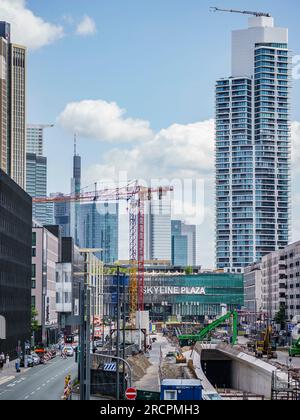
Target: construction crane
243 12
135 195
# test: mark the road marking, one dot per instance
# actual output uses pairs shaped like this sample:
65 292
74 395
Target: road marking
6 379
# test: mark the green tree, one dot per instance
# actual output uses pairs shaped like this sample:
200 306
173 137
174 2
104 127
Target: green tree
280 317
34 321
189 271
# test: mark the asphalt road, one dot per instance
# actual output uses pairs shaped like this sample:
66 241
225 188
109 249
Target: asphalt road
44 382
283 358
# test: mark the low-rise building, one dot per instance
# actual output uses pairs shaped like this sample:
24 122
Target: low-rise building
69 280
281 282
45 256
253 292
184 297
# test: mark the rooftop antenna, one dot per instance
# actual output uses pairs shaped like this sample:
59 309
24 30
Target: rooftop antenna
243 12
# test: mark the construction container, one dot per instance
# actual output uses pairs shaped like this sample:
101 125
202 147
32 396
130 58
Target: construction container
181 390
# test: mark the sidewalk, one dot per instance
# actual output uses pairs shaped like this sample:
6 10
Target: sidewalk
9 373
151 381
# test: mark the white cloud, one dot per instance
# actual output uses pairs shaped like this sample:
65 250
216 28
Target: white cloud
87 26
103 121
180 151
27 28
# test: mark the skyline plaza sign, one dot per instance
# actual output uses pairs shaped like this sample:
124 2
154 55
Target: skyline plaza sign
174 290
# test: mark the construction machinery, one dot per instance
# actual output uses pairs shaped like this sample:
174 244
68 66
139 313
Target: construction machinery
243 12
180 358
136 195
295 349
191 339
266 346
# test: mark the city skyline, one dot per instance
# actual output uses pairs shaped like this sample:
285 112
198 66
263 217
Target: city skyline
99 86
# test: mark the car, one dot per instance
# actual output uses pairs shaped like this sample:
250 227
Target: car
36 359
69 351
30 362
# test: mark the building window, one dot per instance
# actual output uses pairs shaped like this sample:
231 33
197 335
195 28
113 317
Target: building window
33 271
33 301
33 252
33 284
33 238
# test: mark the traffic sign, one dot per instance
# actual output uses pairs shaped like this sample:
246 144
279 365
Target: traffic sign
110 367
131 394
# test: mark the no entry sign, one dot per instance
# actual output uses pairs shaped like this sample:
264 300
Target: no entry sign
131 394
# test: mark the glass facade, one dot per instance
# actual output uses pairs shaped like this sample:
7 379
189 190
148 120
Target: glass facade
194 296
253 159
179 245
99 228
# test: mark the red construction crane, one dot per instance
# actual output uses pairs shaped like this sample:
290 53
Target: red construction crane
136 196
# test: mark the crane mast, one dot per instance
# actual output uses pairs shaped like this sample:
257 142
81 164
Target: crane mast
136 196
243 12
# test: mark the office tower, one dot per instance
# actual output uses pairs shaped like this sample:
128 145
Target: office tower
36 173
190 231
75 191
61 214
12 107
183 244
15 264
179 245
35 138
158 229
99 228
253 147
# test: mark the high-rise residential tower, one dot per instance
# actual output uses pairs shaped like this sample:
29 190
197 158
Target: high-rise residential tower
253 147
12 107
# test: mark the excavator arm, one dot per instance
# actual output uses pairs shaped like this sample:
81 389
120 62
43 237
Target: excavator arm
211 327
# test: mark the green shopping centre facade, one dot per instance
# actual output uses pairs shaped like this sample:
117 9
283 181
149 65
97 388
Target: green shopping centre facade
190 298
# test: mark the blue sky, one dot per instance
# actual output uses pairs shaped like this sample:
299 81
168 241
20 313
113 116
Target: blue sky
157 59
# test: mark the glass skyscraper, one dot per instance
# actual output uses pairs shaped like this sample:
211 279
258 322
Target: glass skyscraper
253 147
179 245
99 228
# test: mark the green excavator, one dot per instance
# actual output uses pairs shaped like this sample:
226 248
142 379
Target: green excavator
191 339
295 349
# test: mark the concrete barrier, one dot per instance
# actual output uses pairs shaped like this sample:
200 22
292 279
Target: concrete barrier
249 374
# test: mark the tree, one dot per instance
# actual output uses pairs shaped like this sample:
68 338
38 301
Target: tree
34 321
189 271
280 317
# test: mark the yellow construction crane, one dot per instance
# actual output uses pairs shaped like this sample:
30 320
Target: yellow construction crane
243 12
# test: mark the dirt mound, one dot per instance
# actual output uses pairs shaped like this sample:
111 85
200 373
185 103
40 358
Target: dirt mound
139 365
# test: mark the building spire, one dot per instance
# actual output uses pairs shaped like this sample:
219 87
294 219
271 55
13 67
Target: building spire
75 144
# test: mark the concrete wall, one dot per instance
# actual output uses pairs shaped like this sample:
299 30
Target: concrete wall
249 374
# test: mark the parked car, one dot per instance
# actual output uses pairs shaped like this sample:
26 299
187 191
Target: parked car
36 359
